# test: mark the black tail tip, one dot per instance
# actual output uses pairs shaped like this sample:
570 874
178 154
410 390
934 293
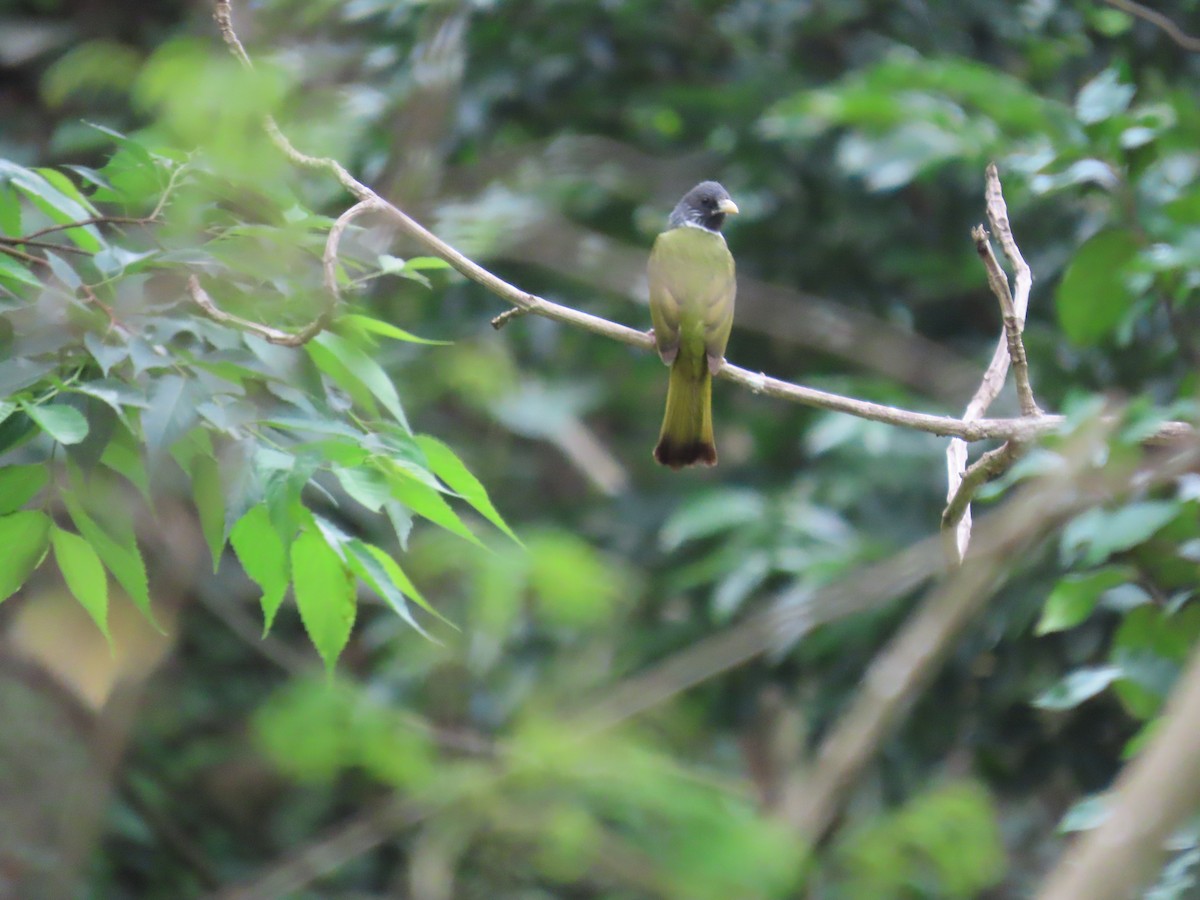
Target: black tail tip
693 453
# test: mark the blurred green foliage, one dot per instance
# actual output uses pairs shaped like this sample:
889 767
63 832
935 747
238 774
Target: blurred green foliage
475 539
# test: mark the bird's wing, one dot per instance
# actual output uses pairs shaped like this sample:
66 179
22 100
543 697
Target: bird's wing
692 290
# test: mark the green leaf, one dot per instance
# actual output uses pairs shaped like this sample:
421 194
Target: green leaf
360 367
10 211
448 467
1099 533
12 270
1075 596
425 501
118 549
368 567
1103 97
324 590
19 484
396 574
426 264
1080 685
123 455
24 537
710 514
264 558
1092 298
365 485
56 204
209 496
385 329
64 423
84 574
170 414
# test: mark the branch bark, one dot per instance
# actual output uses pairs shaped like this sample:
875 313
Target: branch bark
1010 351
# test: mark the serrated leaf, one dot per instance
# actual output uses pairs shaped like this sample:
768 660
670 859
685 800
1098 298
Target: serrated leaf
425 501
65 424
19 484
448 467
263 556
375 576
210 503
324 590
1092 298
1078 686
84 574
386 329
364 370
25 539
1075 596
118 550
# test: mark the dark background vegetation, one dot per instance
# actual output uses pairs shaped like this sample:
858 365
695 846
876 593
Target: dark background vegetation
548 141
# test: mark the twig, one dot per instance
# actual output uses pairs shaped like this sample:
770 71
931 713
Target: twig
970 428
1159 21
979 473
41 245
1009 351
507 316
1153 796
1013 307
266 332
90 220
329 260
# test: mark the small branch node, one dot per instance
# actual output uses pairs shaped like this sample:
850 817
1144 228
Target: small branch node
507 316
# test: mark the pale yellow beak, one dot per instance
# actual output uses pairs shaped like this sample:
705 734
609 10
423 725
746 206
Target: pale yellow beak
728 207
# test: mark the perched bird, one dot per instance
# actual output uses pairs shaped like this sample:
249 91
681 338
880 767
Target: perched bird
691 304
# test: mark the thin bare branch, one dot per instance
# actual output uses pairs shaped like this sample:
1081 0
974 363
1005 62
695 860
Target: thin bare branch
1014 308
1010 351
329 260
979 473
970 428
1159 21
266 332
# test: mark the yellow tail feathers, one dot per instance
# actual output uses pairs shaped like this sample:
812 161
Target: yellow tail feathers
687 433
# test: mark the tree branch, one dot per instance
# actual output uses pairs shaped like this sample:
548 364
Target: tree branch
1009 351
1159 21
970 430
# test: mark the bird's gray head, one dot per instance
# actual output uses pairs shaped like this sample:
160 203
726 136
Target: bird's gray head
704 206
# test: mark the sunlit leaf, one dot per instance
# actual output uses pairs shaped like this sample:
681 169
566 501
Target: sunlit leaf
264 558
118 550
448 467
324 590
19 485
25 538
84 574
